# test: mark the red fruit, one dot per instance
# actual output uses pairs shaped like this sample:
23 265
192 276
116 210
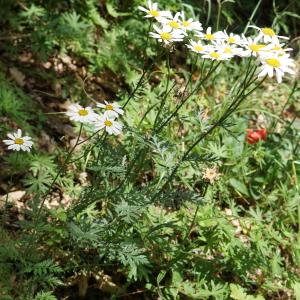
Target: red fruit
262 133
254 136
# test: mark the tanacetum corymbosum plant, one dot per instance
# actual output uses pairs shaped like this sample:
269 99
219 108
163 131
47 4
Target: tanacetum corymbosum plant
134 162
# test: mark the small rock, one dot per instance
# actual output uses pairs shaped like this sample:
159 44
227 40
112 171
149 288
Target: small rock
66 59
47 65
14 198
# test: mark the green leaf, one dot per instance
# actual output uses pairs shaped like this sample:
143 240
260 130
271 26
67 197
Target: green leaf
161 276
237 292
111 10
239 186
296 288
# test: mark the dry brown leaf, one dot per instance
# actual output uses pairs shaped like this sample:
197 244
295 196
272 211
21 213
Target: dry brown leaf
17 75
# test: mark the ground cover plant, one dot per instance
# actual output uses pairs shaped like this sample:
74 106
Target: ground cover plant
149 150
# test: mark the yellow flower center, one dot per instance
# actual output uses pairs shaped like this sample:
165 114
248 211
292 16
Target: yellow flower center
256 47
231 40
277 48
268 31
186 23
108 123
198 48
273 62
109 107
215 55
83 112
154 13
19 141
165 36
209 36
174 24
227 50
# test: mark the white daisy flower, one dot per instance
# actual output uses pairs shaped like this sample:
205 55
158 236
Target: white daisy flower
280 64
189 24
268 35
198 47
215 54
229 50
16 142
81 114
277 49
153 11
231 38
112 109
110 124
173 22
209 36
167 35
253 48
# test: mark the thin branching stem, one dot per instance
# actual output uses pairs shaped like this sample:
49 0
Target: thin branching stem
165 93
235 103
194 91
58 174
195 214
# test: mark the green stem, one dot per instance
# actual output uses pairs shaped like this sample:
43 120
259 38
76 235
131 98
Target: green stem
236 102
145 114
252 15
219 13
58 174
137 86
208 12
140 153
195 214
100 142
286 104
191 75
87 150
166 92
145 71
195 90
289 126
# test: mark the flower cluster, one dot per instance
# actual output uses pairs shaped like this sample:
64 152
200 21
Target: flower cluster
266 46
106 120
77 113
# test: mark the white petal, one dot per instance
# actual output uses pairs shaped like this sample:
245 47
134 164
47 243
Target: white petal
24 148
270 72
143 9
156 29
19 132
28 144
279 77
8 142
110 114
108 129
263 73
